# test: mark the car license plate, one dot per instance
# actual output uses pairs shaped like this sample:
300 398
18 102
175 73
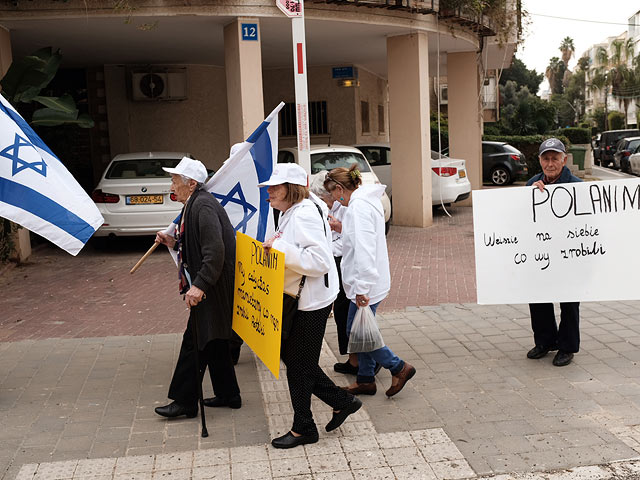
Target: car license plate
143 199
462 173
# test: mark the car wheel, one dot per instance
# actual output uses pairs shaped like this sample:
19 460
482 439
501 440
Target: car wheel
500 176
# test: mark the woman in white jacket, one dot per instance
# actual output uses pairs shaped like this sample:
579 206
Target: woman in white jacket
305 239
365 270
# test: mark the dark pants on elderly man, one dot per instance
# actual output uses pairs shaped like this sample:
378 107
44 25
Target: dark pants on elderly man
300 353
546 333
216 356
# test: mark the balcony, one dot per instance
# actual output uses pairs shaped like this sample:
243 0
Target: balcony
465 18
426 7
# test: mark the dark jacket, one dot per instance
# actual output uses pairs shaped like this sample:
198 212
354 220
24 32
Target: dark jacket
565 177
209 252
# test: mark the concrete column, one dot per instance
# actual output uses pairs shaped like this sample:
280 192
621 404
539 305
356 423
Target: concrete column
243 67
465 137
21 237
408 72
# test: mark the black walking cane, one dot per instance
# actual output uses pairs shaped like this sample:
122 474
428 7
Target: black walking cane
194 331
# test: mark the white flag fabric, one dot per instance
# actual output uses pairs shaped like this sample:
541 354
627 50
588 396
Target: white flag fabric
37 191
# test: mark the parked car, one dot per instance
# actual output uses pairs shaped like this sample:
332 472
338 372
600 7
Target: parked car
624 149
502 163
608 142
134 195
449 182
325 157
634 162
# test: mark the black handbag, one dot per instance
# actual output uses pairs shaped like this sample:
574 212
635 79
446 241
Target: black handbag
290 309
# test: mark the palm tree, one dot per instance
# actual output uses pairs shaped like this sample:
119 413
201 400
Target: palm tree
600 79
568 49
623 78
552 74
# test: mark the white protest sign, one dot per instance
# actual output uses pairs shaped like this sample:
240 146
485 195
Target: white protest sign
572 242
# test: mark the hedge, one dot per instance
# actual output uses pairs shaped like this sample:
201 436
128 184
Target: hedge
576 135
529 145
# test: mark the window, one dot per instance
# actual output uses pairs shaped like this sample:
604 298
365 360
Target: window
331 160
381 119
317 119
377 156
364 116
141 168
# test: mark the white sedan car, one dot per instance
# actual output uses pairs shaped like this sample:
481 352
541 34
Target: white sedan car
634 162
134 194
449 182
328 157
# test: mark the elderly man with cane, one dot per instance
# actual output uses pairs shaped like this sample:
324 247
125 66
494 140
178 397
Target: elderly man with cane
205 242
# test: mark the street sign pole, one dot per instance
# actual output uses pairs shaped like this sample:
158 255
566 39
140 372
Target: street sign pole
295 10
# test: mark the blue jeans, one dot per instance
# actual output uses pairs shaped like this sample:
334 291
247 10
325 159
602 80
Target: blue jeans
367 361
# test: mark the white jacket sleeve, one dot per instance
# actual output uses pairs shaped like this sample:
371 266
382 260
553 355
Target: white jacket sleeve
364 265
309 252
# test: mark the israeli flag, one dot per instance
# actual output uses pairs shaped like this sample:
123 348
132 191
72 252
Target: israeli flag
235 185
37 191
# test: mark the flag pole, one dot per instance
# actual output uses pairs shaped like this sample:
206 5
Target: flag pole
144 257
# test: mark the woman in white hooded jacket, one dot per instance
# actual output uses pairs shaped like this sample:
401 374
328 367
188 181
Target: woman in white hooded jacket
365 270
304 237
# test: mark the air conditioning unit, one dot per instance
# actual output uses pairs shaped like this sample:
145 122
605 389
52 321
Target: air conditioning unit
155 86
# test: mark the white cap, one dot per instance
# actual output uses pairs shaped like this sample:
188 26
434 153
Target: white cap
189 168
287 173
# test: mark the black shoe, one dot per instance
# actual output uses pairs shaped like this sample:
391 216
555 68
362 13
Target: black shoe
290 441
174 409
377 369
562 358
339 417
345 367
231 402
538 352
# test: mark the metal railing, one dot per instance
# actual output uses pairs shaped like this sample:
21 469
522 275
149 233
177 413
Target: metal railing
425 7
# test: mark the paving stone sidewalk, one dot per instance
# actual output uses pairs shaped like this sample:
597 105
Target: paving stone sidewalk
87 352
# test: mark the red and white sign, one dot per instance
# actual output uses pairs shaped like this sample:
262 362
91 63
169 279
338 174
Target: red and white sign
291 8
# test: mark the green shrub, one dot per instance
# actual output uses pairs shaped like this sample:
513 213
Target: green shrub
528 145
576 135
7 245
444 137
616 121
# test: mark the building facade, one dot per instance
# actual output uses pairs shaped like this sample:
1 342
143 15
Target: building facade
224 65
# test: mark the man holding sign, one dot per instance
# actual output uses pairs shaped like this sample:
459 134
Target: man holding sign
546 334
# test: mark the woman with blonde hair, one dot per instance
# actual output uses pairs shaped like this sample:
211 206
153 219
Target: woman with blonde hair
365 270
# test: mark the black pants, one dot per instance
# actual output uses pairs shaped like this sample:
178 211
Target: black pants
545 331
216 356
340 313
301 353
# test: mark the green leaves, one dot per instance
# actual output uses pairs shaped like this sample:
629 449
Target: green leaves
48 117
26 78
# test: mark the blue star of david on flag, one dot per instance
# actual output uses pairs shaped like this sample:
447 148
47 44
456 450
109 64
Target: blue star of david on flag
12 152
248 209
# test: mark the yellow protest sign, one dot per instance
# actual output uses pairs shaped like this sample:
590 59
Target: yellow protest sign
257 299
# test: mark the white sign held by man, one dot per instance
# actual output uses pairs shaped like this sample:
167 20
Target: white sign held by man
570 242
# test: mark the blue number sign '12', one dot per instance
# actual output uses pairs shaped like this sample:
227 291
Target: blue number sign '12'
249 31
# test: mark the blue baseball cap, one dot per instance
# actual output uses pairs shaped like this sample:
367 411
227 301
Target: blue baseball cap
552 144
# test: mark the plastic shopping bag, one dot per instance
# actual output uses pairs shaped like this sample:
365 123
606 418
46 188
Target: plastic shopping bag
365 335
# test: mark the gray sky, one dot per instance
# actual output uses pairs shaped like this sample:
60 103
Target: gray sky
544 34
